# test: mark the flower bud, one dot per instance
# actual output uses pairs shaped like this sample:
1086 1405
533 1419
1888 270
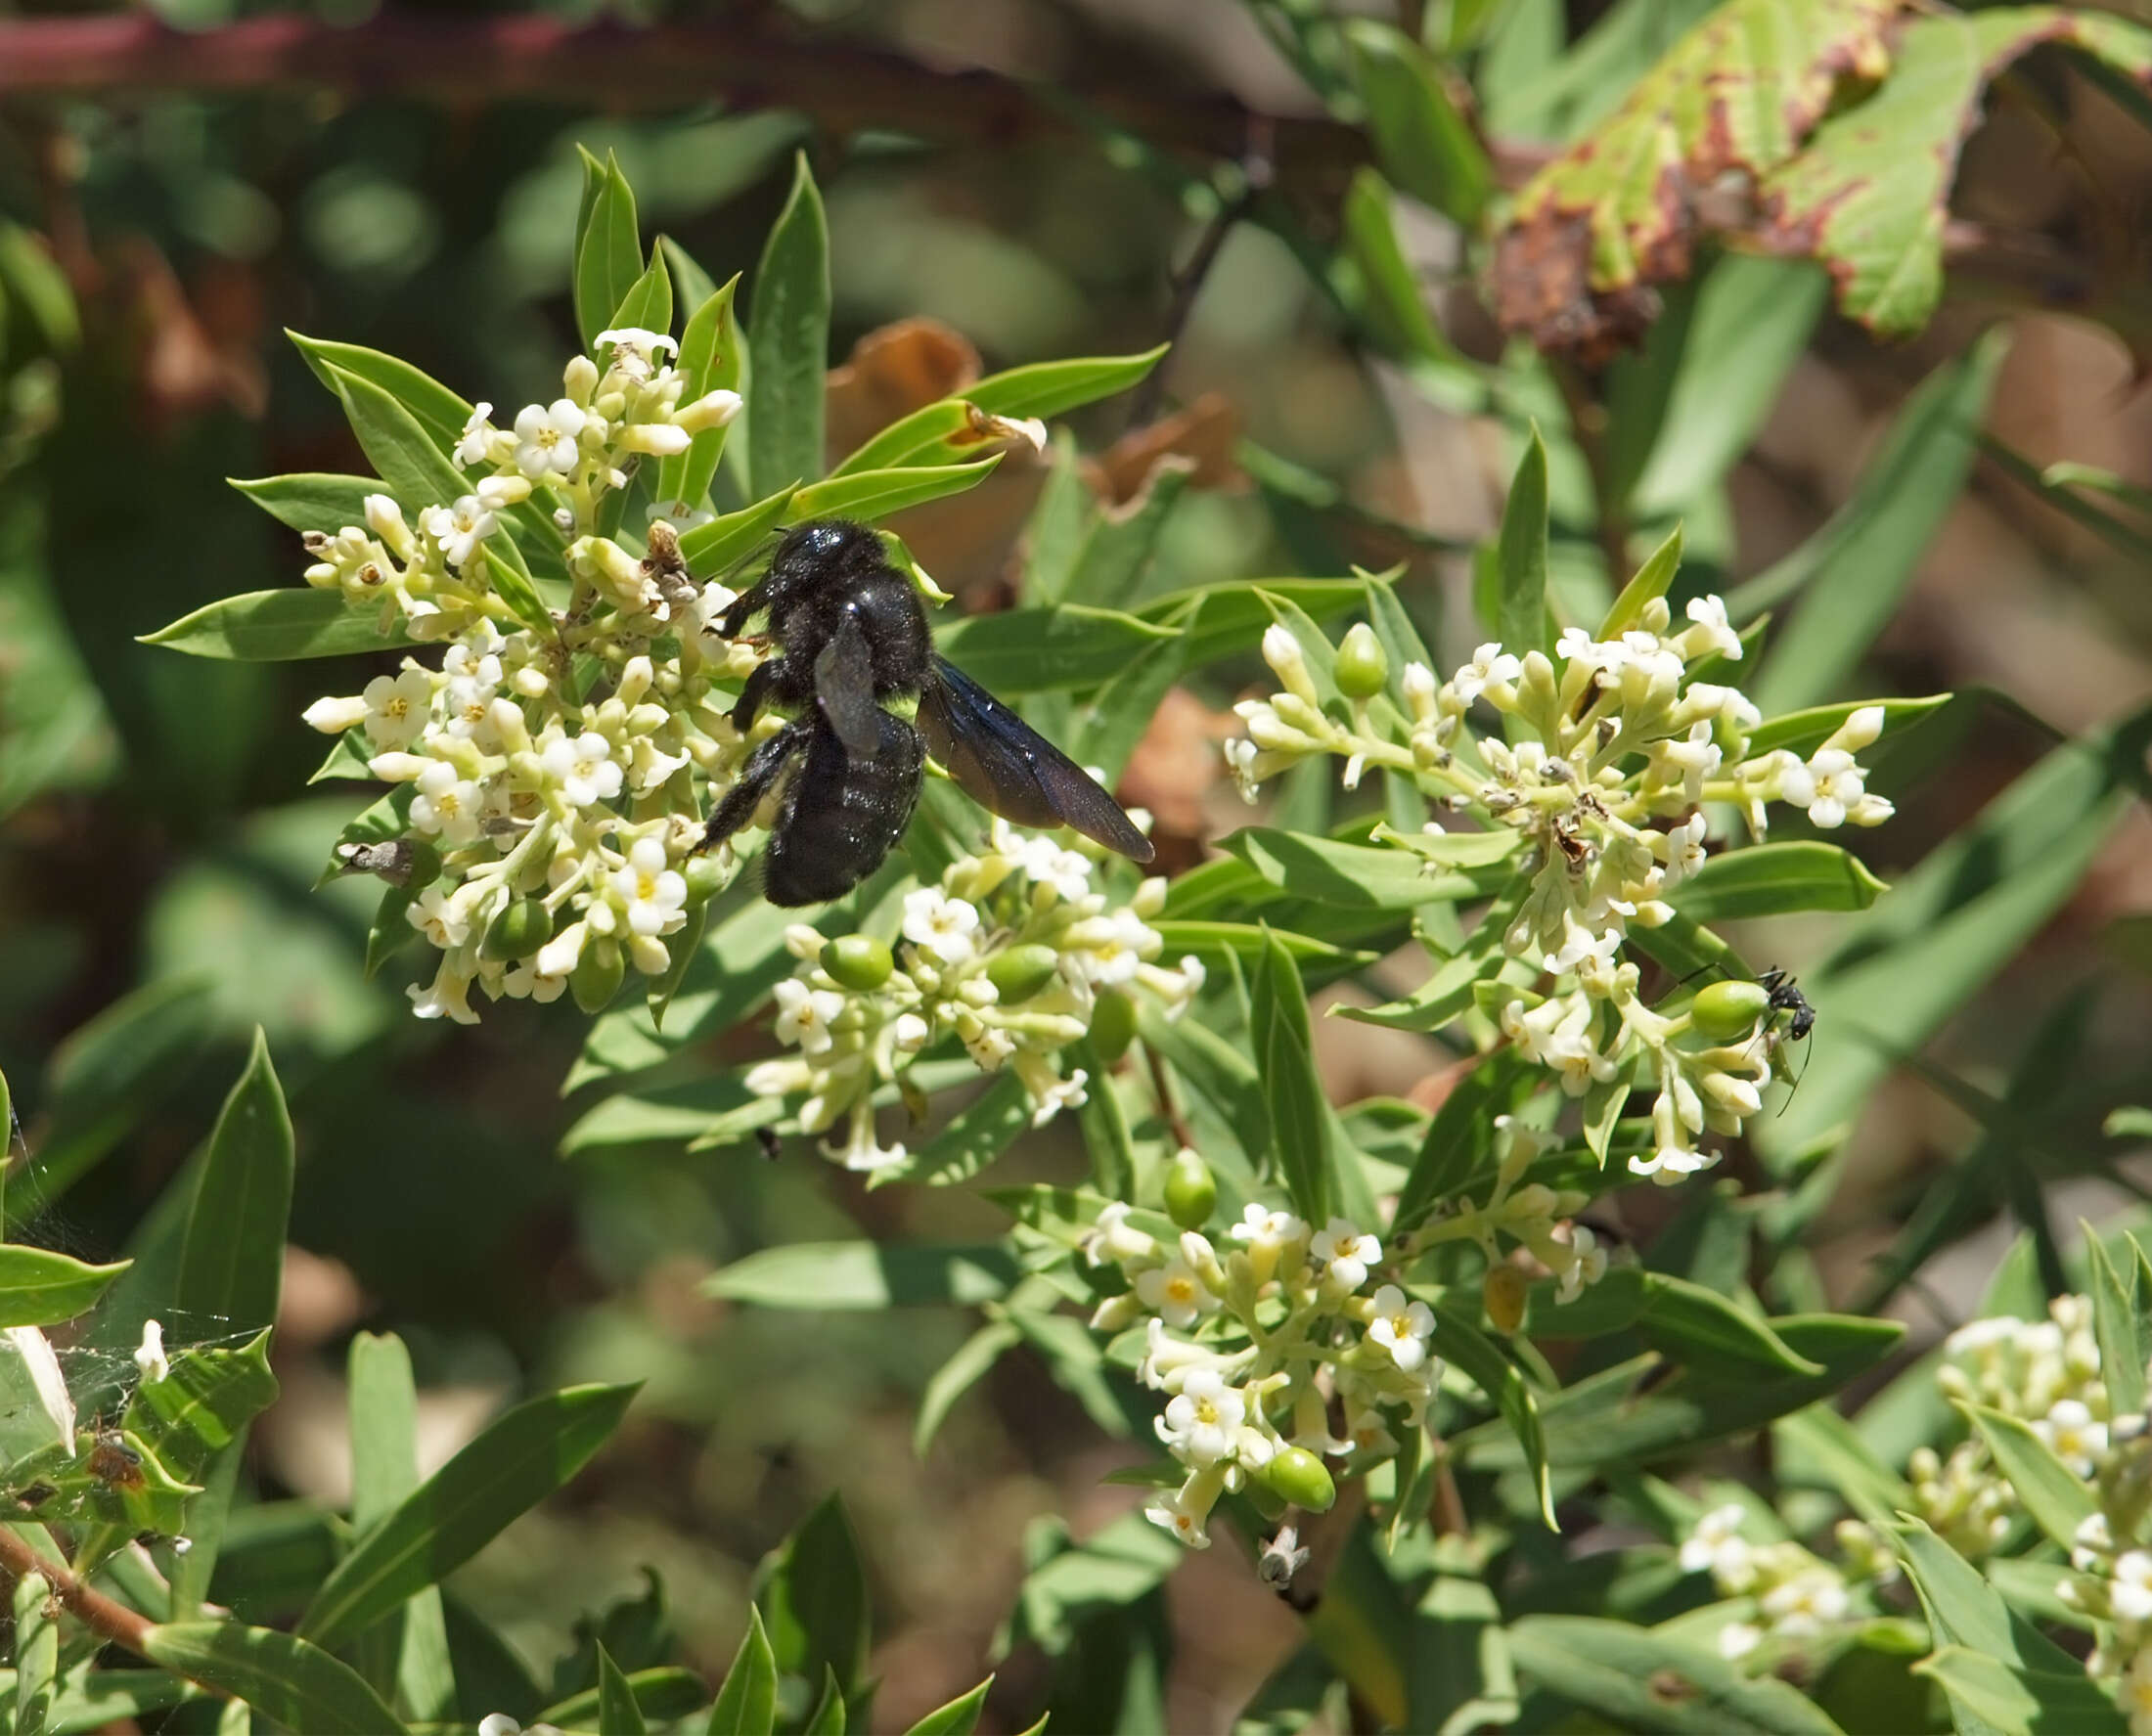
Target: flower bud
1112 1025
598 975
1362 670
1300 1478
331 714
1724 1011
1504 1292
517 931
1191 1191
712 410
858 961
1020 972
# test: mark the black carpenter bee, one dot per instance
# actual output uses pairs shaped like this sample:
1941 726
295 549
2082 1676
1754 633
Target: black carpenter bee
852 636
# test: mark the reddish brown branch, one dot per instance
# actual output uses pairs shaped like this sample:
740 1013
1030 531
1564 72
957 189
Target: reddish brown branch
93 1608
458 62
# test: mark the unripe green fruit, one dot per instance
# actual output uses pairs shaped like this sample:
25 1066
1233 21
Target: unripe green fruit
1362 670
1112 1025
1724 1011
1302 1479
517 931
1504 1292
1191 1191
858 961
598 975
1023 971
704 877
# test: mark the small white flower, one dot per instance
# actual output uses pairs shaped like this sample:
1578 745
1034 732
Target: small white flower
2137 1692
1829 786
653 891
1736 1640
1684 850
1063 1094
910 1033
803 1016
1716 1546
446 997
332 716
1047 864
149 1356
582 767
1402 1327
2130 1593
1261 1228
1670 1163
459 529
437 916
626 342
1806 1603
2078 1440
1172 1511
1175 1293
1202 1419
446 804
397 707
545 438
476 442
942 927
1490 666
1114 1238
1344 1254
1586 1269
1710 614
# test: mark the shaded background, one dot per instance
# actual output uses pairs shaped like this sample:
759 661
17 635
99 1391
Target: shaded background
161 840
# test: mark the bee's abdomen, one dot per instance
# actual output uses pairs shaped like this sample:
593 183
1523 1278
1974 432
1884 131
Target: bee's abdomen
841 816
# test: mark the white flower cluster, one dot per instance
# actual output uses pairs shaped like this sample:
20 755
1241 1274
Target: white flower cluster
1615 754
1255 1345
1011 953
1533 1216
548 767
1795 1596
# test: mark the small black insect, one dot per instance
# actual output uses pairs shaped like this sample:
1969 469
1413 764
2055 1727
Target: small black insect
852 636
1786 997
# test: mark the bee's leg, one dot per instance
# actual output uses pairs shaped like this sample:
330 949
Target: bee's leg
756 777
756 692
744 608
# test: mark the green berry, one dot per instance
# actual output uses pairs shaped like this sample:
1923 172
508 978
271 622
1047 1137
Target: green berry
1724 1011
598 975
1112 1025
858 961
1302 1479
1362 670
1020 972
1191 1191
704 876
517 931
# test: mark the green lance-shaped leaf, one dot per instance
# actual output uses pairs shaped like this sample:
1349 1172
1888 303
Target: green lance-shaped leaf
311 500
1648 584
1378 282
203 1405
1425 143
608 246
41 1288
299 1685
1777 879
411 1648
788 342
814 1602
231 1264
1277 1028
662 1694
2057 1497
876 494
36 1654
647 306
617 1712
1520 554
279 627
1479 1356
1851 572
513 1465
1989 1693
1034 651
1643 1682
709 549
1461 1135
1803 731
960 1717
967 1365
441 412
2115 1324
828 1716
868 1276
712 356
746 1705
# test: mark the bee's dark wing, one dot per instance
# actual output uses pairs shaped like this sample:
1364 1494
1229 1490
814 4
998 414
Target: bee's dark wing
844 689
1004 764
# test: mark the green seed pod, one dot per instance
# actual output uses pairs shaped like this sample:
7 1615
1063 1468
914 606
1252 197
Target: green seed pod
704 877
1727 1009
858 961
517 931
1504 1292
1362 670
1191 1191
1023 971
598 975
1302 1479
1112 1025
